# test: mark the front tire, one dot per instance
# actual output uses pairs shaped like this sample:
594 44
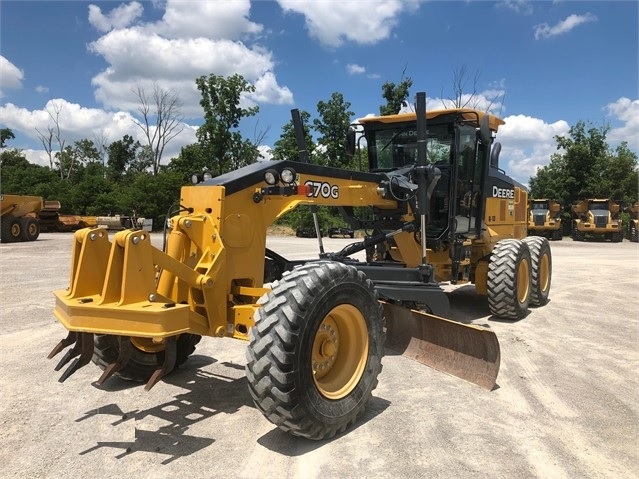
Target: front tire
509 277
541 267
315 351
146 356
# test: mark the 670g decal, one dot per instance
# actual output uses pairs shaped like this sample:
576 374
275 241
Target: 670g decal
323 189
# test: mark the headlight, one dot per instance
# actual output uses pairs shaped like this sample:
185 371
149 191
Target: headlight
288 176
195 178
207 175
271 177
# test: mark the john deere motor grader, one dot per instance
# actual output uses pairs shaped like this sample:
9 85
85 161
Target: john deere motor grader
316 329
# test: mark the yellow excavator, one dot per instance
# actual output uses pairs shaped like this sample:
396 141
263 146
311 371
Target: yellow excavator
438 210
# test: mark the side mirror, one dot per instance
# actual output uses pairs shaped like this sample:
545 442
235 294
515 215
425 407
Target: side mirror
350 142
485 134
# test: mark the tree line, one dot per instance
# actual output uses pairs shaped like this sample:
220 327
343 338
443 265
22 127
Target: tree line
90 177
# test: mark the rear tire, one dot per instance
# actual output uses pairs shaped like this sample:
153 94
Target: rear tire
541 270
315 351
142 364
30 229
509 278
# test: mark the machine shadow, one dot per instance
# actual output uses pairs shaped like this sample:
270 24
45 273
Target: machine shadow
286 444
466 306
207 395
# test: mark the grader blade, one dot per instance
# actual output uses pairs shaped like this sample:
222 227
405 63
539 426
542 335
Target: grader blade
468 352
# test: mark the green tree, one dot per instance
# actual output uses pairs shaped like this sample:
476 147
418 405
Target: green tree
122 155
71 159
395 95
219 137
332 125
192 159
5 135
13 157
285 148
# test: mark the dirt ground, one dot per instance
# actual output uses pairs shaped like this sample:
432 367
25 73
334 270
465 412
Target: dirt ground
566 404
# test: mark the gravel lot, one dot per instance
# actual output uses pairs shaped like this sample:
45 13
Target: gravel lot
566 404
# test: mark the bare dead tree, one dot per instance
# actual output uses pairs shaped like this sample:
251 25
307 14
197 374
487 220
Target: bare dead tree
100 140
465 96
53 132
258 138
161 119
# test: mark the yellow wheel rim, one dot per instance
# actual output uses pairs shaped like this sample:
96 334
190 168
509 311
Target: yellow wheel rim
544 273
147 345
340 351
523 280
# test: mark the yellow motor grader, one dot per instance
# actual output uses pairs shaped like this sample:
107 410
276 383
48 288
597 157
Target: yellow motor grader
441 210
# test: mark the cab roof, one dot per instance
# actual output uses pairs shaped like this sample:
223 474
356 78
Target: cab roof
466 113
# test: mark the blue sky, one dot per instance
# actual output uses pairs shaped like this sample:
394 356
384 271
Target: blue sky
544 65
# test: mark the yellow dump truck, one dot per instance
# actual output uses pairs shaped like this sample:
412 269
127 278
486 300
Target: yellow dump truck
18 218
597 218
544 218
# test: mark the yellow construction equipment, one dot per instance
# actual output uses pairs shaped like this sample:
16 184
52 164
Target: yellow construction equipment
440 210
544 218
597 218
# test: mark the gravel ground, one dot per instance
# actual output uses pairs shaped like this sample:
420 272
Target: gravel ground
566 403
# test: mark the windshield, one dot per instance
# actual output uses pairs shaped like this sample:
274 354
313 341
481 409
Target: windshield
397 147
598 205
540 206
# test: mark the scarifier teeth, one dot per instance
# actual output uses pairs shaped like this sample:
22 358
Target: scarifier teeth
68 341
170 355
123 358
83 346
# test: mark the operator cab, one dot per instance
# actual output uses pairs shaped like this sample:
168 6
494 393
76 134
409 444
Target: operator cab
454 147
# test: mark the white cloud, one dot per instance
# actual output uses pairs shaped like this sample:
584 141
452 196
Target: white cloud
41 89
120 17
626 111
520 6
527 144
333 22
544 30
184 45
10 75
214 20
354 69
